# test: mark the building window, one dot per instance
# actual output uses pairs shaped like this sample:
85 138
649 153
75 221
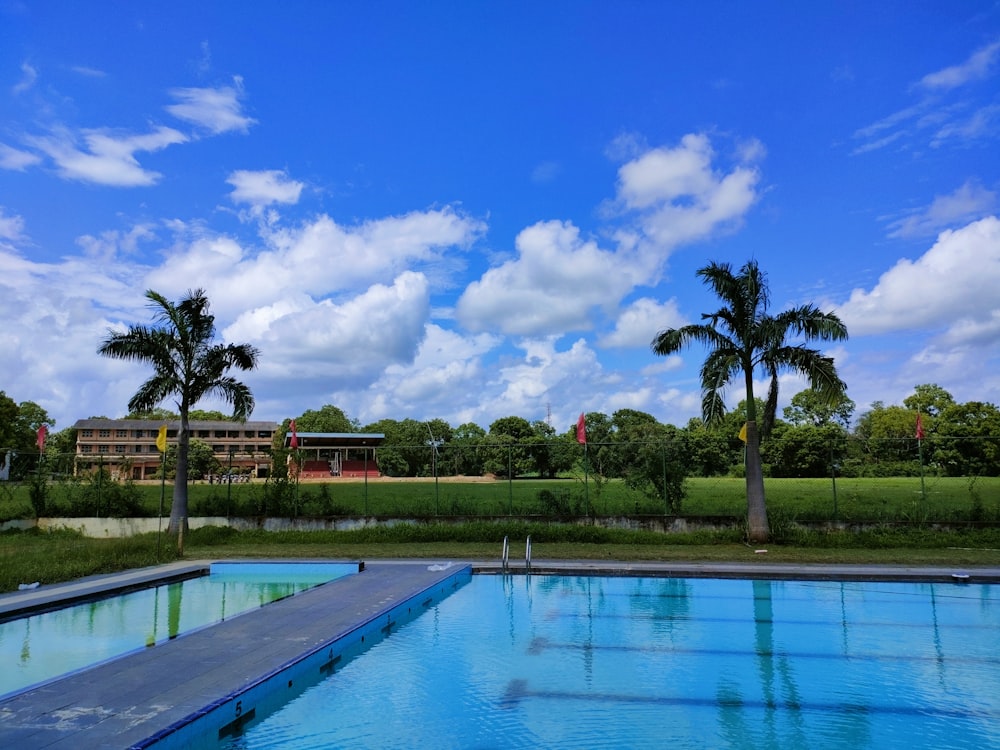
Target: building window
121 433
119 449
86 433
104 433
218 449
102 449
203 433
86 448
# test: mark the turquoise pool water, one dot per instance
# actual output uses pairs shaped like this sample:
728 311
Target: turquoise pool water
583 662
44 646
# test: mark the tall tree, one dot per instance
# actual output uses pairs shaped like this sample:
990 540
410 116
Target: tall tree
743 338
188 366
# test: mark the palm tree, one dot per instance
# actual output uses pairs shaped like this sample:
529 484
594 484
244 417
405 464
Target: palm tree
186 365
743 338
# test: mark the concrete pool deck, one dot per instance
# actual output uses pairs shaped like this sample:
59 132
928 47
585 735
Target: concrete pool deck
124 702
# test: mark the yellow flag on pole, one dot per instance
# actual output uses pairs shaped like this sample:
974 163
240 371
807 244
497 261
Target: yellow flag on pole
161 439
743 432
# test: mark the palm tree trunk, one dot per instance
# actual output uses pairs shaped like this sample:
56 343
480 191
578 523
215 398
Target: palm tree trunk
756 508
179 506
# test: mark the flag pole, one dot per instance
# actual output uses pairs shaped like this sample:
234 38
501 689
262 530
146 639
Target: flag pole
161 443
581 437
159 516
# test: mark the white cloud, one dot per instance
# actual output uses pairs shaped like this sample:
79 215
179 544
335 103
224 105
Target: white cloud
83 70
954 281
218 110
668 196
319 258
11 227
680 197
28 77
550 287
54 317
109 158
262 188
638 323
12 158
971 201
351 342
979 65
938 117
980 124
445 378
545 172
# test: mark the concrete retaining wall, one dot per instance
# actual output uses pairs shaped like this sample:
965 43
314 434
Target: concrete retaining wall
109 528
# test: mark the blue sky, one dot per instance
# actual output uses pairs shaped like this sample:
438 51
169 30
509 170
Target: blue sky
473 210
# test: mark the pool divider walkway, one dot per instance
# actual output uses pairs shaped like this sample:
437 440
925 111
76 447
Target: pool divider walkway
225 669
222 670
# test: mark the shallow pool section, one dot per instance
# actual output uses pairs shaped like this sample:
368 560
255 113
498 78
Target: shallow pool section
570 662
38 648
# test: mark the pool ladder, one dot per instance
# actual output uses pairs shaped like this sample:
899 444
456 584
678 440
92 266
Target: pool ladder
505 553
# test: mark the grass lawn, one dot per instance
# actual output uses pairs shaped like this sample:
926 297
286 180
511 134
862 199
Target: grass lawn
869 499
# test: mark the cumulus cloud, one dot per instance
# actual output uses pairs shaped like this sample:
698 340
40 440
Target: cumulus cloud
350 342
681 197
108 158
952 283
665 197
319 257
638 323
54 314
217 110
262 188
971 201
444 378
550 287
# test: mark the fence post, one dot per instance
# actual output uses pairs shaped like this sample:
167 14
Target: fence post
510 481
833 475
666 498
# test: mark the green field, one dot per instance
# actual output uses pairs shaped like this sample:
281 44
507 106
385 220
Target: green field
936 499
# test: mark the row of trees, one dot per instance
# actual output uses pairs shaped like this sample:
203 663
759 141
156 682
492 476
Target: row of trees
811 439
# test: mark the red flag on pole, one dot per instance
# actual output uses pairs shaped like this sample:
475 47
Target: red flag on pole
42 430
581 429
920 427
295 438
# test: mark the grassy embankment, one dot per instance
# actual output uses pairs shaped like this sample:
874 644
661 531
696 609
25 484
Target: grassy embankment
51 557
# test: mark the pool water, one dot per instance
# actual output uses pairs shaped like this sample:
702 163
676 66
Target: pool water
41 647
573 662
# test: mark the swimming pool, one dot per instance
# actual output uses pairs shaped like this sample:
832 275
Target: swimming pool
41 647
560 662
